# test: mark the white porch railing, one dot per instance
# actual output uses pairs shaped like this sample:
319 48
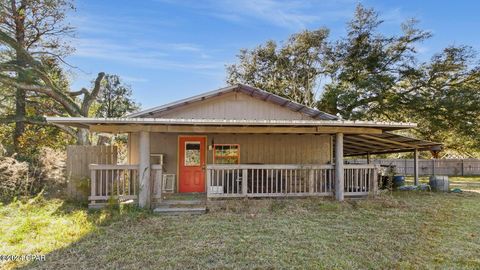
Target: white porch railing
122 181
287 180
113 181
360 179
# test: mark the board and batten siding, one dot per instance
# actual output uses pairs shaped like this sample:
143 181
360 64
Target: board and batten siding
254 148
132 148
232 106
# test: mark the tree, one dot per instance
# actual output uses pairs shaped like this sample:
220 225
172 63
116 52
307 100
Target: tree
293 70
42 81
115 98
372 76
38 27
444 99
367 67
378 77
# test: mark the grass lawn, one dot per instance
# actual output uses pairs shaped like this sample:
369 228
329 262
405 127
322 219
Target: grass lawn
464 183
400 230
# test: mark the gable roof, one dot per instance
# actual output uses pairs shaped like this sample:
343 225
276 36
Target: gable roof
249 90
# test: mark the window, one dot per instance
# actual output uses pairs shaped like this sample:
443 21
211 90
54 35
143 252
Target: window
226 154
192 153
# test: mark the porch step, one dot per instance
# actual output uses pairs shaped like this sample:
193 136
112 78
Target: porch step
180 211
181 203
184 196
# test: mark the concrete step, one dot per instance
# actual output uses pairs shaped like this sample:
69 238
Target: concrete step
180 211
180 203
184 196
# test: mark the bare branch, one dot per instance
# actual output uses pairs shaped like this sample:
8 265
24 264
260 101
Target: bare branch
57 56
90 98
82 91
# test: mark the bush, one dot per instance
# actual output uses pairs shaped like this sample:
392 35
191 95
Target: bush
45 171
49 167
14 178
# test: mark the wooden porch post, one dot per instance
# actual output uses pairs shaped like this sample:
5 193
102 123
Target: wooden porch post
339 182
144 170
415 167
368 158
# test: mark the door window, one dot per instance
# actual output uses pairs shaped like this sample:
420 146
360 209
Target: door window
192 154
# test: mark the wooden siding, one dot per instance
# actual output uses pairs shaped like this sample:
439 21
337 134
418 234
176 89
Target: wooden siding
233 106
133 147
258 148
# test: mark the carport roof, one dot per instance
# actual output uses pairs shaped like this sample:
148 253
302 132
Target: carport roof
385 143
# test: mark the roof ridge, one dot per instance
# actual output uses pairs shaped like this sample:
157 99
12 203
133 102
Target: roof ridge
312 108
253 91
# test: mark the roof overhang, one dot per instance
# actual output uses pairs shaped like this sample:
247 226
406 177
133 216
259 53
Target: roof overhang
385 143
97 123
361 137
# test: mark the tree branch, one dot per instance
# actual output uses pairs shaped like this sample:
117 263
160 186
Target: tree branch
71 109
89 98
82 91
37 121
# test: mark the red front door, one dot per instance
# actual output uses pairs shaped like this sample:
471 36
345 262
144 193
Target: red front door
191 164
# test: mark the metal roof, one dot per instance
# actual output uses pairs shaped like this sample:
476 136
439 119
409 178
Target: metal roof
387 142
86 122
354 144
249 90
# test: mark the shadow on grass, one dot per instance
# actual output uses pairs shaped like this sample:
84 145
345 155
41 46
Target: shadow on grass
43 226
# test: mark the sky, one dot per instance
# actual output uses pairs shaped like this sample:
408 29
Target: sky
168 50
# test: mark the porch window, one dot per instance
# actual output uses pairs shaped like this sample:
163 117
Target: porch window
226 154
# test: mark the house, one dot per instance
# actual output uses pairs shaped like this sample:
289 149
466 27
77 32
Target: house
241 141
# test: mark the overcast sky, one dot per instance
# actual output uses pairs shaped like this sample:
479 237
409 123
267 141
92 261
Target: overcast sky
167 50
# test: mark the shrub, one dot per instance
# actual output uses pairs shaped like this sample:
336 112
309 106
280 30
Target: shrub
44 171
49 166
14 178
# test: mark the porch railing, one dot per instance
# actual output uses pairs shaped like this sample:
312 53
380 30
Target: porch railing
113 181
360 179
287 180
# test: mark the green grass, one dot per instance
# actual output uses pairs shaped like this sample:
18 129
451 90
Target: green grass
401 230
464 183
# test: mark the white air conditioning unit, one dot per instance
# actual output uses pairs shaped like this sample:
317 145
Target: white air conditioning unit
168 183
157 159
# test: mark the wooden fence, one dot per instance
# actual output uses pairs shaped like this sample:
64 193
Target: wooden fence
78 159
449 167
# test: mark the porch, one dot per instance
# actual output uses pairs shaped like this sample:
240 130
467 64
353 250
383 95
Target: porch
121 182
276 160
